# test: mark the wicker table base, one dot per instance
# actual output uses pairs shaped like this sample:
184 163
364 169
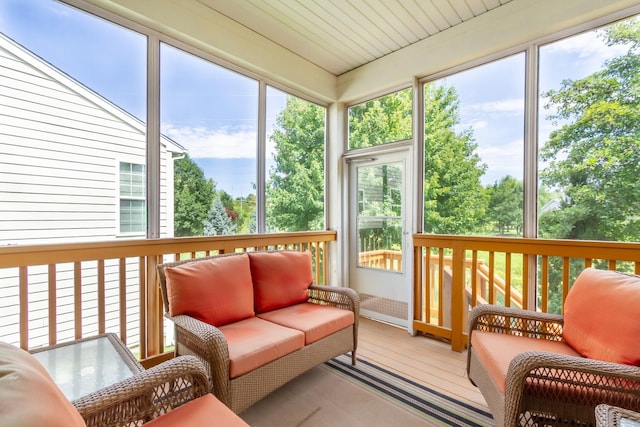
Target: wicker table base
608 416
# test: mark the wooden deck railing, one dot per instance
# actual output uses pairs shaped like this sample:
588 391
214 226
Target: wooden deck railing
451 275
53 293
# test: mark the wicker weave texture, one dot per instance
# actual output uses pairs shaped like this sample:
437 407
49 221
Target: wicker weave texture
146 395
545 388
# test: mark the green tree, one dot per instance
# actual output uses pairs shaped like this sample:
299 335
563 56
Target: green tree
193 194
245 207
382 120
454 198
505 204
594 157
218 222
295 188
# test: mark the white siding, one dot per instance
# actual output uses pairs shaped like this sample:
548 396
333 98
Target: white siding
60 147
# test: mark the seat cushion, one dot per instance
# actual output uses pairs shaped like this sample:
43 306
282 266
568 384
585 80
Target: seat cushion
602 316
254 342
215 290
280 278
495 351
203 411
316 321
28 395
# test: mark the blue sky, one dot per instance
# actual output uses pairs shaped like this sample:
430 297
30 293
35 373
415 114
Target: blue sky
212 111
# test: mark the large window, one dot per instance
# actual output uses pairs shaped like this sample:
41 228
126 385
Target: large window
474 150
295 181
589 135
68 116
73 96
211 112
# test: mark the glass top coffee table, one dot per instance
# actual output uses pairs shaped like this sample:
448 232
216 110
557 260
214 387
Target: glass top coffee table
83 366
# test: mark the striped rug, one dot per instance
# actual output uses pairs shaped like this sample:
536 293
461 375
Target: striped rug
431 404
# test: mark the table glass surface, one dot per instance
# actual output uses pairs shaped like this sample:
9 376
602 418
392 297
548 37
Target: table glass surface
626 422
84 367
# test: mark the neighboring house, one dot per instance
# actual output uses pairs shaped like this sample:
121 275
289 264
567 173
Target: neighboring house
72 169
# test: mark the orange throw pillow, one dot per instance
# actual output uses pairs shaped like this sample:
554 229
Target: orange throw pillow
215 290
280 278
602 316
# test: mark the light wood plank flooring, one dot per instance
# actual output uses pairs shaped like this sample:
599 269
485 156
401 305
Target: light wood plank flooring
425 360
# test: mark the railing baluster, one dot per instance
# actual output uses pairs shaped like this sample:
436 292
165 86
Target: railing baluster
492 291
507 279
101 298
23 295
122 293
474 278
565 278
53 307
77 299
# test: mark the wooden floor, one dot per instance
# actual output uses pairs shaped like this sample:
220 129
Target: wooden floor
425 360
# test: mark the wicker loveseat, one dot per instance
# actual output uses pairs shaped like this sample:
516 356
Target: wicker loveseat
256 320
543 369
176 390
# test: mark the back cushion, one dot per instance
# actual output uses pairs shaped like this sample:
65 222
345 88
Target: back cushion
280 279
215 290
28 395
602 316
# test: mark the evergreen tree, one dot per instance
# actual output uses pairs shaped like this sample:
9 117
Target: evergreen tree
218 222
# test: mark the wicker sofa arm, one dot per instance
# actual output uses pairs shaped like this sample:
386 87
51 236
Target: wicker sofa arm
206 342
514 321
146 395
561 381
345 298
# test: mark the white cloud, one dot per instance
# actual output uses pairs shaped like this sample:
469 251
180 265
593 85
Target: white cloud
511 106
219 143
589 49
502 160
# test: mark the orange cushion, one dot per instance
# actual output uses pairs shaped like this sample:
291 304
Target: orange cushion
316 321
215 290
495 351
255 342
280 279
203 411
602 316
28 395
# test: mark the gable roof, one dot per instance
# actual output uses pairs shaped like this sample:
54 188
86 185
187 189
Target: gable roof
39 64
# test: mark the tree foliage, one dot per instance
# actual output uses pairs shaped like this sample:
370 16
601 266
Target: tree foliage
295 188
382 120
454 197
505 204
193 195
594 157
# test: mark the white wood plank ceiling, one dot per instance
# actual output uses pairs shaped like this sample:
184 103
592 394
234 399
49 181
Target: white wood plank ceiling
340 35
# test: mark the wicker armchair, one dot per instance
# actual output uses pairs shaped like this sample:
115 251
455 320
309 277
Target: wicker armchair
172 393
544 369
145 396
544 388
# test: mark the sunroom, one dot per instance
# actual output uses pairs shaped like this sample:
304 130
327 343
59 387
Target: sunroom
431 155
